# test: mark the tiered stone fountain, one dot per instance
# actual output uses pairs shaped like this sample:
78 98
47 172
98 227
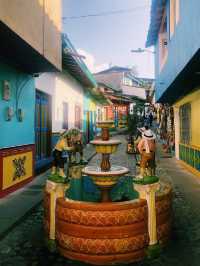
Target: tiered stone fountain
105 176
107 233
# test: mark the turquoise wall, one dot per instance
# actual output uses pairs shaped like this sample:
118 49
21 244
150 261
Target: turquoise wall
87 107
15 133
86 102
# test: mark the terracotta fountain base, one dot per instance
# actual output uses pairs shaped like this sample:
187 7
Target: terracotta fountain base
108 233
104 233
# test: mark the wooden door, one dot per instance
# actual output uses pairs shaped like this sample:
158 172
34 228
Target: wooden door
42 126
78 116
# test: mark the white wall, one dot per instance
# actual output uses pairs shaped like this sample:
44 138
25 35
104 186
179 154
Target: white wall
134 91
70 91
63 88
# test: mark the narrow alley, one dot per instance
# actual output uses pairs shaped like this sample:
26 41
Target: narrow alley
99 132
25 244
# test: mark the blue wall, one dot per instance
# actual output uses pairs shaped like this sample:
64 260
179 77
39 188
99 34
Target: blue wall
183 45
15 133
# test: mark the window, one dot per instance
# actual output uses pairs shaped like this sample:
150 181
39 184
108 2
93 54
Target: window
174 15
127 81
163 50
65 115
177 11
185 123
105 113
78 116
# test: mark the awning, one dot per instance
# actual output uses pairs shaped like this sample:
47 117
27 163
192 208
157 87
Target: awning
75 65
186 82
157 9
99 96
119 99
19 54
109 86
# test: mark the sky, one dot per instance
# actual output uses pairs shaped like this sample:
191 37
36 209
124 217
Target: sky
107 40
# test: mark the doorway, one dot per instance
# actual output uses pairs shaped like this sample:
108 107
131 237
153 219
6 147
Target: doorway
42 128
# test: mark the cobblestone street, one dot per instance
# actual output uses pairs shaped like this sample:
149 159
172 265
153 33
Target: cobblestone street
25 245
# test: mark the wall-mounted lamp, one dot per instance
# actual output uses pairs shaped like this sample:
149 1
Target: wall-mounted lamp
36 75
9 113
165 42
20 115
6 91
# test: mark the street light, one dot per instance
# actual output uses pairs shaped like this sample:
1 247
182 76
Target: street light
140 50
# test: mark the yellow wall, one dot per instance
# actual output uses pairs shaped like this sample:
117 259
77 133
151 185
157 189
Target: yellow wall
38 22
194 99
92 105
9 168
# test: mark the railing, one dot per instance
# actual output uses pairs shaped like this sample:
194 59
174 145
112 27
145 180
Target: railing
190 154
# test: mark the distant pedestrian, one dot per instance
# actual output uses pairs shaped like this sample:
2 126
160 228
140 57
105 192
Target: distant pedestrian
150 119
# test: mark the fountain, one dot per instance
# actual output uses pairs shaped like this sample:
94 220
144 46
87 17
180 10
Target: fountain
106 176
106 232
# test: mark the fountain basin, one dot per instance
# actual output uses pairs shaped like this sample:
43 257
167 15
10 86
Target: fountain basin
103 233
106 146
105 178
105 124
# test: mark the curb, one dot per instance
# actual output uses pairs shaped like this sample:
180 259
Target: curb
23 217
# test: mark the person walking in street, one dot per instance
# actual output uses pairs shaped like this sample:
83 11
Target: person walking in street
150 118
147 148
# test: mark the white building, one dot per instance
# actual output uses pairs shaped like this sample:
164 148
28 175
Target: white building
67 99
60 101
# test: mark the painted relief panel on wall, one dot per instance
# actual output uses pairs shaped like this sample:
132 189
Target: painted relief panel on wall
16 167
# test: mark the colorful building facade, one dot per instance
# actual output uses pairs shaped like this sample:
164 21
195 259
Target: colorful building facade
174 31
90 117
65 96
25 51
17 128
121 87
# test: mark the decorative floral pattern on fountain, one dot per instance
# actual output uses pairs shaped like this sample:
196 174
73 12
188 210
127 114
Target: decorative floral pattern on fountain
102 246
101 218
